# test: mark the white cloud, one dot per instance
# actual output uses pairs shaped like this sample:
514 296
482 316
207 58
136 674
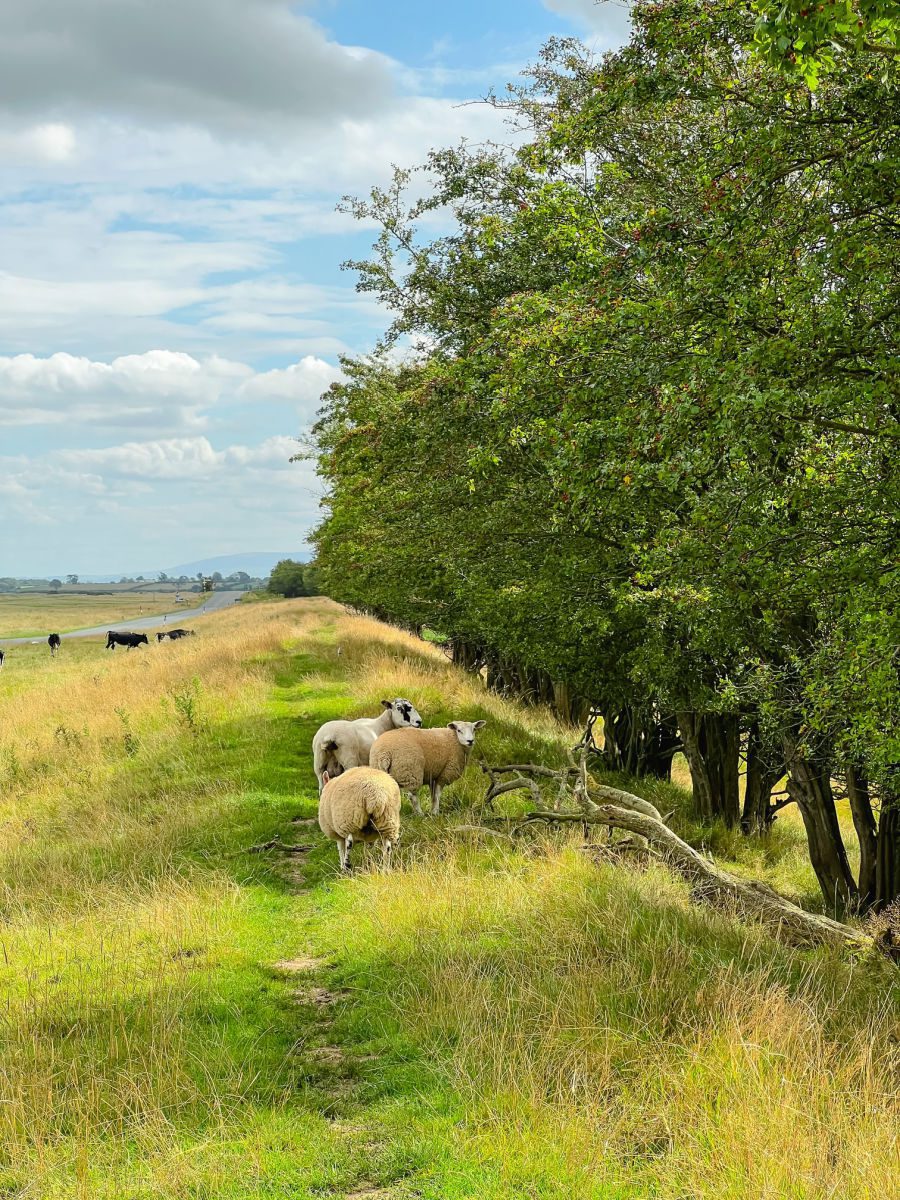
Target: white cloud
608 20
47 143
161 389
172 458
182 494
302 382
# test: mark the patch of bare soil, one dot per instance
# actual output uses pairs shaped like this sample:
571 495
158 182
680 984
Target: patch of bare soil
295 966
326 1054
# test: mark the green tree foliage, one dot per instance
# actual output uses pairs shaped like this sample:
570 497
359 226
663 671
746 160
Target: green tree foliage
290 578
649 461
805 36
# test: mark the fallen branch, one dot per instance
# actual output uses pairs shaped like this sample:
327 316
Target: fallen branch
529 769
513 785
711 885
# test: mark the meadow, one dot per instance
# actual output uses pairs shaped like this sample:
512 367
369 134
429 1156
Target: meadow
186 1016
36 614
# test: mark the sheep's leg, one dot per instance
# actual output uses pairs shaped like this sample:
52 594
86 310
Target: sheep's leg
435 799
414 801
348 846
387 848
342 852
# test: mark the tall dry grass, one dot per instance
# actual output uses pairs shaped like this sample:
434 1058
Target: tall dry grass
75 731
122 934
599 1027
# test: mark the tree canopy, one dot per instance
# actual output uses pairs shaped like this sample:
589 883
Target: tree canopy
648 460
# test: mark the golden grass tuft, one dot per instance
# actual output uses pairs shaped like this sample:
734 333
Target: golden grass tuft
650 1045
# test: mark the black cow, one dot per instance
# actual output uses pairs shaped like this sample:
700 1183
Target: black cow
1 658
174 634
53 641
114 639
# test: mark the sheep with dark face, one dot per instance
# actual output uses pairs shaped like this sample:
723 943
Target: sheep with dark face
340 745
415 757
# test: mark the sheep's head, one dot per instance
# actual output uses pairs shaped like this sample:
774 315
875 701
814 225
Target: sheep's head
403 713
465 731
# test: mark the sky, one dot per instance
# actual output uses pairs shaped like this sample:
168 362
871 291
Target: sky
171 299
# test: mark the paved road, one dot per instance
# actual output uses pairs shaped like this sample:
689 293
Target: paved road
178 617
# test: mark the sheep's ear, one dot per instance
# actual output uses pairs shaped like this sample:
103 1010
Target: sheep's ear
453 725
326 778
478 724
387 704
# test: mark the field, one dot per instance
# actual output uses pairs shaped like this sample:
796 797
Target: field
39 614
186 1017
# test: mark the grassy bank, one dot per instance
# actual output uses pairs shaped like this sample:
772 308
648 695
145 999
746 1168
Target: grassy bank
35 615
184 1018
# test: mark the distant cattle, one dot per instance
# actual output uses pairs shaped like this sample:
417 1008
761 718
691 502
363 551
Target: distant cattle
1 658
53 641
114 639
174 634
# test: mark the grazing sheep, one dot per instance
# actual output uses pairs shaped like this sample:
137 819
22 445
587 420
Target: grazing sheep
340 745
418 756
360 805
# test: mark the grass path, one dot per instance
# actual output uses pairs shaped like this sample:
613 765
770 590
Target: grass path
184 1018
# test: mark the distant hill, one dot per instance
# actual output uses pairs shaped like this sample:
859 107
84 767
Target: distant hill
255 562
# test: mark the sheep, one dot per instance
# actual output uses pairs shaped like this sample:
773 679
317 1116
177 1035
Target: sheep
418 756
360 805
340 745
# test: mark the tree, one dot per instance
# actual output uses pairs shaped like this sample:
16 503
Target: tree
71 579
287 579
647 464
56 584
805 37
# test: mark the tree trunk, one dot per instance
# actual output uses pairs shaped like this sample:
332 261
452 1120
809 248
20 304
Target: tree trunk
561 700
662 745
638 743
712 749
691 726
765 766
809 783
887 870
866 832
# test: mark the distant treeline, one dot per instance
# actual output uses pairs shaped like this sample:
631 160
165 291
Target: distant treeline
237 580
648 462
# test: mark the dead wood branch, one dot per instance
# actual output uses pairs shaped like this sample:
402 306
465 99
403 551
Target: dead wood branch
711 885
529 769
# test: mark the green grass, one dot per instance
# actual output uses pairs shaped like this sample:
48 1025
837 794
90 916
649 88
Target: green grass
502 1020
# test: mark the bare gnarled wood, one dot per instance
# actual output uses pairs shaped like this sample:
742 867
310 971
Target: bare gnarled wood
711 885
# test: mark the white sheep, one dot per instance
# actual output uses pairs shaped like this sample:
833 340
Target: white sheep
418 756
340 745
360 805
